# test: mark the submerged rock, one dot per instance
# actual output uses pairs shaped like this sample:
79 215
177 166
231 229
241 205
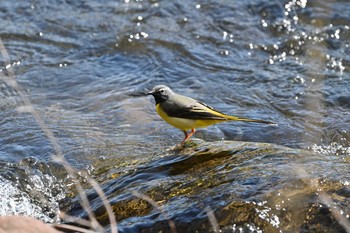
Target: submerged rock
247 186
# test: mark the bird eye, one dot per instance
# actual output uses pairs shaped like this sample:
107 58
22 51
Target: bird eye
161 91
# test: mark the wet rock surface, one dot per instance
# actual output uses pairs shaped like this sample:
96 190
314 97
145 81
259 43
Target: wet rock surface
248 186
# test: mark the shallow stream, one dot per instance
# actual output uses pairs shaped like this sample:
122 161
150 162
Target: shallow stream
85 66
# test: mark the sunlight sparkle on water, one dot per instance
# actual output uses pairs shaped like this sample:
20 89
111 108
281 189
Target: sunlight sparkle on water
333 149
224 35
138 36
263 23
225 52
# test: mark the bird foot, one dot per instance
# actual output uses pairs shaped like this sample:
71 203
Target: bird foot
188 144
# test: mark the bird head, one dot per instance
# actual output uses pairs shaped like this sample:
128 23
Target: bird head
160 93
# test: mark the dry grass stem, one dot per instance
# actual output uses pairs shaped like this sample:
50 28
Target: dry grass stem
71 228
105 202
325 199
80 221
212 219
160 208
12 82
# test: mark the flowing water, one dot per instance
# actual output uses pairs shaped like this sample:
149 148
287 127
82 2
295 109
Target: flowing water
85 66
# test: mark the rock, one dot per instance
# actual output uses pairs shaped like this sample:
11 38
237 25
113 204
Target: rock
21 224
250 187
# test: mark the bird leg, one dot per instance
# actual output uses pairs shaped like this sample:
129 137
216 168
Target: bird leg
188 135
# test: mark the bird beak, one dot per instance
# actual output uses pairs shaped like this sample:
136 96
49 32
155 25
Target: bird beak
149 93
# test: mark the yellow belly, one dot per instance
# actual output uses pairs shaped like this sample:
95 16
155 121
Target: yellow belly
182 123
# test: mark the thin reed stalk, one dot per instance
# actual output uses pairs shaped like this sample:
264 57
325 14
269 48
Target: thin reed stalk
11 81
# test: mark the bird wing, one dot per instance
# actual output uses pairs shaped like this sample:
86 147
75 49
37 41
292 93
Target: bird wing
185 107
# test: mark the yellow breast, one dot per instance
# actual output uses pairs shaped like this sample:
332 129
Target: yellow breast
183 123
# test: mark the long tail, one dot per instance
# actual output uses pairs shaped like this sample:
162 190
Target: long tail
234 118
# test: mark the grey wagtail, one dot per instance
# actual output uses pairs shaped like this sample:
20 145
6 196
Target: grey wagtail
186 113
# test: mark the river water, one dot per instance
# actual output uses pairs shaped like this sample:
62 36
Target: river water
85 66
